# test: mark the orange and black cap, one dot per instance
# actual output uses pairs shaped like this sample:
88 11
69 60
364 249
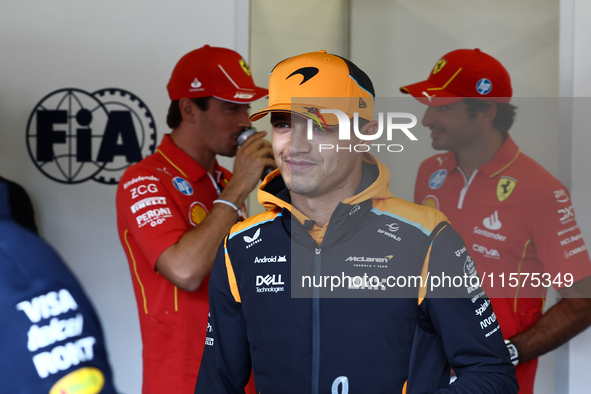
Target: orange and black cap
307 83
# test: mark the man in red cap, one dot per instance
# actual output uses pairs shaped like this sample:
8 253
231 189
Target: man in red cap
516 218
175 206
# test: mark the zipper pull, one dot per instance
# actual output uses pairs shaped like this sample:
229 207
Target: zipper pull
318 250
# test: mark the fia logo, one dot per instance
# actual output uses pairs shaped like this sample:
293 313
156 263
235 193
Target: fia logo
74 136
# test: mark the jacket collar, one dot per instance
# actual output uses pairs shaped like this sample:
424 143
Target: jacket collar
273 194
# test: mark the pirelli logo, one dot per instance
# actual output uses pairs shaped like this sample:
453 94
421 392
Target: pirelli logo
147 202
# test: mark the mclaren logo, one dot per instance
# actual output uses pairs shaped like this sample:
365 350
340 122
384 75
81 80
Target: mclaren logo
306 72
363 259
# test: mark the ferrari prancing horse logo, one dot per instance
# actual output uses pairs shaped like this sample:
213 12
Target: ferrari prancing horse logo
505 187
440 64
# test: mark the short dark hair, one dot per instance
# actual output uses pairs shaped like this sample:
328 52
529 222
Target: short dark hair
174 117
505 113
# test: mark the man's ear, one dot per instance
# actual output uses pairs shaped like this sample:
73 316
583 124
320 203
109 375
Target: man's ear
370 128
188 109
489 113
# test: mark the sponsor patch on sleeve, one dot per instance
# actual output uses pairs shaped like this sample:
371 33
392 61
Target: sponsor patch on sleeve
88 380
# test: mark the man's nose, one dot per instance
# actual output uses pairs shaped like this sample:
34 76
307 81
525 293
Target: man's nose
244 120
299 137
428 117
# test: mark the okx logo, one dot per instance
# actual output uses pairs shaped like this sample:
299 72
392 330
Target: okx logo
74 136
345 130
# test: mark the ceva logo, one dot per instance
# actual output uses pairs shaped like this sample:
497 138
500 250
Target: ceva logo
492 253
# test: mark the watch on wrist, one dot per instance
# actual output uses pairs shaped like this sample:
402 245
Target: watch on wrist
513 352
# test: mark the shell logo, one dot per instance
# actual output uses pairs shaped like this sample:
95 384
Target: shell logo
197 213
431 201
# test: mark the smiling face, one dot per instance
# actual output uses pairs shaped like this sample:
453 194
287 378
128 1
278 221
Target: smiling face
308 167
451 127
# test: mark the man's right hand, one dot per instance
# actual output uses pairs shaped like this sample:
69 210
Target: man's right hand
188 262
253 156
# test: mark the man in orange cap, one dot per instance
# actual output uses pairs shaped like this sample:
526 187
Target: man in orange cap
516 218
289 289
175 206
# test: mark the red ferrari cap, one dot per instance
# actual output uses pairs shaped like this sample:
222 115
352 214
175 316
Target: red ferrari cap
214 71
463 73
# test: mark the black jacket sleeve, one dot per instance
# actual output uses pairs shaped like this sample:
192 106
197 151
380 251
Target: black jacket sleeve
458 325
226 365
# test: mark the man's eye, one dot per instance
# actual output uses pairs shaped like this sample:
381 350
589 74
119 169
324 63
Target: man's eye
234 108
281 125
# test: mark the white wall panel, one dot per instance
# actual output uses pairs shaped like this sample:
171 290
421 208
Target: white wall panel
398 42
131 45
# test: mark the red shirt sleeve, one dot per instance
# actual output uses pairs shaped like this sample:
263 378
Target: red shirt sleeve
148 214
557 236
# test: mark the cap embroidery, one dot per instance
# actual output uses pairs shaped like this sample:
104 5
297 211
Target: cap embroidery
440 64
307 73
315 114
196 84
484 86
244 66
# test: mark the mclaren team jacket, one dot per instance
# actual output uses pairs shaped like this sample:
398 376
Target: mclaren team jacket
276 306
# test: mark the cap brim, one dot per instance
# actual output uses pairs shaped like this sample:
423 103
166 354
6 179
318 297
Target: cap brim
243 96
301 110
304 110
427 93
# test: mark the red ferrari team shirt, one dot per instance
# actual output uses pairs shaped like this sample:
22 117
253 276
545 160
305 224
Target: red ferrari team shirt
158 200
519 225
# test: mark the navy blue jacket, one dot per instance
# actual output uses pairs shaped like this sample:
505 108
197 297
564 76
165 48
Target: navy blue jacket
50 336
375 334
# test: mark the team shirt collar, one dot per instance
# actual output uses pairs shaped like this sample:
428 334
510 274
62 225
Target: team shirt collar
184 163
505 156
